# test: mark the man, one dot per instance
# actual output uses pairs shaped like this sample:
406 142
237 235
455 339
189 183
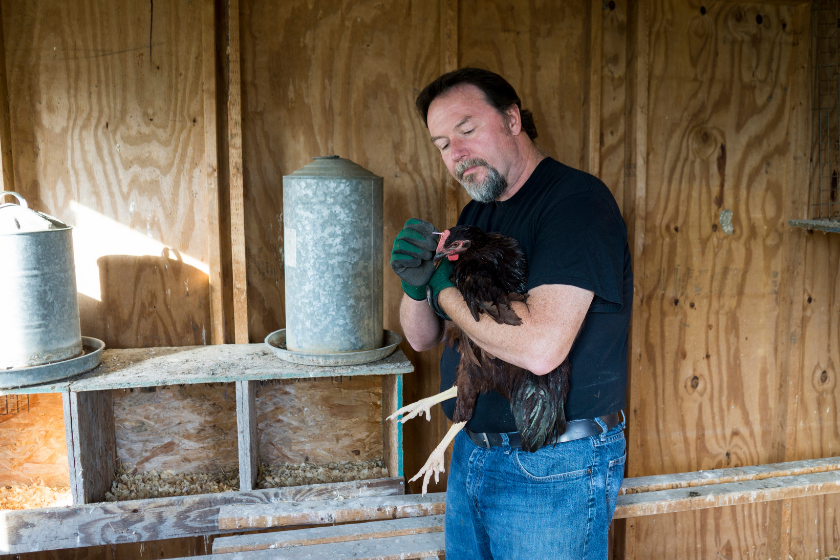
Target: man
503 502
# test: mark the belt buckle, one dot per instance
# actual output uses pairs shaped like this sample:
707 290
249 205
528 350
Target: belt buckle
486 439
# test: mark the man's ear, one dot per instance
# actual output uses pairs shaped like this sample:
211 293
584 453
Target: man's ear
513 120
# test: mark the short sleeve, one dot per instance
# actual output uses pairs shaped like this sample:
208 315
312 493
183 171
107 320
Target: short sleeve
581 240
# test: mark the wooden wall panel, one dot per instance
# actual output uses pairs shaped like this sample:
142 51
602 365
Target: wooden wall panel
108 135
320 420
815 527
538 48
613 100
710 365
199 438
32 443
337 78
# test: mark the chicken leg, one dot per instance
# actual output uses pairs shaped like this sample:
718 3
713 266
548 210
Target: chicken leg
423 406
435 462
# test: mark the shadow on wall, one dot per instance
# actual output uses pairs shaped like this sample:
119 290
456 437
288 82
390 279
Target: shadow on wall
148 301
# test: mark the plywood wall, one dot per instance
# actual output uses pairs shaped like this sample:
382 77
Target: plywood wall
684 108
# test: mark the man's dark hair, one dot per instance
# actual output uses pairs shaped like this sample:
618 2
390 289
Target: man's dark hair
498 92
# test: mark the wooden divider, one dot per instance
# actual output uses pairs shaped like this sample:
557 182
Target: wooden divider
91 444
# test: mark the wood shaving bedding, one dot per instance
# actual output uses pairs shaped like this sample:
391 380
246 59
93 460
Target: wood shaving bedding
154 484
285 475
29 496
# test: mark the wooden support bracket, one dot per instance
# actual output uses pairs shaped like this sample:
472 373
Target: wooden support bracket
246 423
91 444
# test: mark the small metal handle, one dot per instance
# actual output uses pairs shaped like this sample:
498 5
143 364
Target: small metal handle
20 199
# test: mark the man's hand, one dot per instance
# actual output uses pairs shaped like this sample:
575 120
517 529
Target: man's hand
439 281
411 257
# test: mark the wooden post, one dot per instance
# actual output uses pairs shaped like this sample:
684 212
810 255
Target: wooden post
7 170
791 304
237 201
392 430
592 90
211 169
448 63
246 424
91 444
636 190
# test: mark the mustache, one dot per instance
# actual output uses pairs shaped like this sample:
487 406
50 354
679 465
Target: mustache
465 164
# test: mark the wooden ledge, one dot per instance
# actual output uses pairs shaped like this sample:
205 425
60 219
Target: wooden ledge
221 363
161 518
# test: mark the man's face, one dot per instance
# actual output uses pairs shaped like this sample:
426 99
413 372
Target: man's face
474 140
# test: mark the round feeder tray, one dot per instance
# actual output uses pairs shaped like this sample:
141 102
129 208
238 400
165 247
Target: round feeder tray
277 342
56 371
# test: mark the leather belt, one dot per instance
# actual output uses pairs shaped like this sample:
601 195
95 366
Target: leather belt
575 429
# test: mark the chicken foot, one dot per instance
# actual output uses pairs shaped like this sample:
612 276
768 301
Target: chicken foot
423 406
435 462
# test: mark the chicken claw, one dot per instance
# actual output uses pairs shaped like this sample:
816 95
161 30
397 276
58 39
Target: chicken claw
423 406
435 462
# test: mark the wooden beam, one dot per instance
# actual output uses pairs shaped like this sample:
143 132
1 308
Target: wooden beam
730 494
157 519
7 169
642 484
211 169
246 426
91 445
792 291
330 511
629 505
592 89
224 363
392 433
237 197
423 546
333 534
448 63
635 204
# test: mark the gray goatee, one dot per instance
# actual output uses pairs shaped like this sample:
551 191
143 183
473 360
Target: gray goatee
490 189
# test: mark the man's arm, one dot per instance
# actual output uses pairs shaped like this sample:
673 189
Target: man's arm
422 327
550 323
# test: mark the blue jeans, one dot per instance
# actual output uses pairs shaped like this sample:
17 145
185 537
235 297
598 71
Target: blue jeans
557 503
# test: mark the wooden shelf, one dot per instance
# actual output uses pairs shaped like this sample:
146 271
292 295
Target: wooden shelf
222 363
89 402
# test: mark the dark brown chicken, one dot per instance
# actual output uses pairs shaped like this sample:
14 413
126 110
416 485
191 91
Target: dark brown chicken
490 271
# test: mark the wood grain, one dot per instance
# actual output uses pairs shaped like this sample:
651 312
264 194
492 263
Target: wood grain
108 116
324 535
320 420
187 428
247 434
160 518
7 167
32 440
613 69
593 64
91 448
709 302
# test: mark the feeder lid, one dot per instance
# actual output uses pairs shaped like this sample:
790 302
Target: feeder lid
333 166
18 218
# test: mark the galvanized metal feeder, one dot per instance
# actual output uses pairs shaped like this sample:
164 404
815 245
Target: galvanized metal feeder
332 215
40 338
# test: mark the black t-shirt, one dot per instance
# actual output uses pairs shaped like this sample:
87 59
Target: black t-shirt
571 231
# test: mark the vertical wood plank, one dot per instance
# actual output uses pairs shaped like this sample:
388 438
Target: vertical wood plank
237 201
7 169
592 89
246 426
392 430
792 295
634 212
211 166
91 445
448 63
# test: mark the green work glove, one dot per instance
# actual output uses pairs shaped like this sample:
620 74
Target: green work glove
439 281
411 257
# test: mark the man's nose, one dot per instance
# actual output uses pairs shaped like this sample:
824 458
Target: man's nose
458 150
